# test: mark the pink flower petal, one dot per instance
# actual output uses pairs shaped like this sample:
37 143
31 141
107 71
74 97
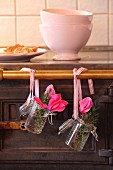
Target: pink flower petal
85 104
54 99
50 90
56 104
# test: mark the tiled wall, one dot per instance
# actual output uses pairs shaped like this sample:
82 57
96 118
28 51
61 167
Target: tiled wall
20 19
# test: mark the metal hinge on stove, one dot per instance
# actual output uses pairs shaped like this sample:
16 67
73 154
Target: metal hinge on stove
108 153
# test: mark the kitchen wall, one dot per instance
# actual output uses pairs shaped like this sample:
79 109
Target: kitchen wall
20 19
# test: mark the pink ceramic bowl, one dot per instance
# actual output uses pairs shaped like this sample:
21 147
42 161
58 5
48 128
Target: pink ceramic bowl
65 16
66 40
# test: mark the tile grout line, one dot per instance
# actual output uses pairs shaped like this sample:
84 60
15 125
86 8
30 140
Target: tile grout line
15 22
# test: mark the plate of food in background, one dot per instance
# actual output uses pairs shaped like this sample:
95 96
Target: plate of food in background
20 53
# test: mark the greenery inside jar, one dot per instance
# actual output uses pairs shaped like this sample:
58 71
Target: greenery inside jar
84 125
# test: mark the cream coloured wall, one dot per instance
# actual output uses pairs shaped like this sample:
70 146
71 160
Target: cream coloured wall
20 19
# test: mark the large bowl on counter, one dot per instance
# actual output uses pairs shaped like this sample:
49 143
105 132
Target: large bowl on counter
65 16
66 40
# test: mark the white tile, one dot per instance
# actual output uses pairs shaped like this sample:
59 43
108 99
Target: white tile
28 32
64 4
111 30
7 31
111 6
95 6
29 7
7 7
99 35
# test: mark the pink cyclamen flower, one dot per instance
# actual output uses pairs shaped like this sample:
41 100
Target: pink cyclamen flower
43 105
50 90
56 104
85 105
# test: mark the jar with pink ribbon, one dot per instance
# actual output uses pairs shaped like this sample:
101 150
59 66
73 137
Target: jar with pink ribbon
85 115
84 118
44 108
